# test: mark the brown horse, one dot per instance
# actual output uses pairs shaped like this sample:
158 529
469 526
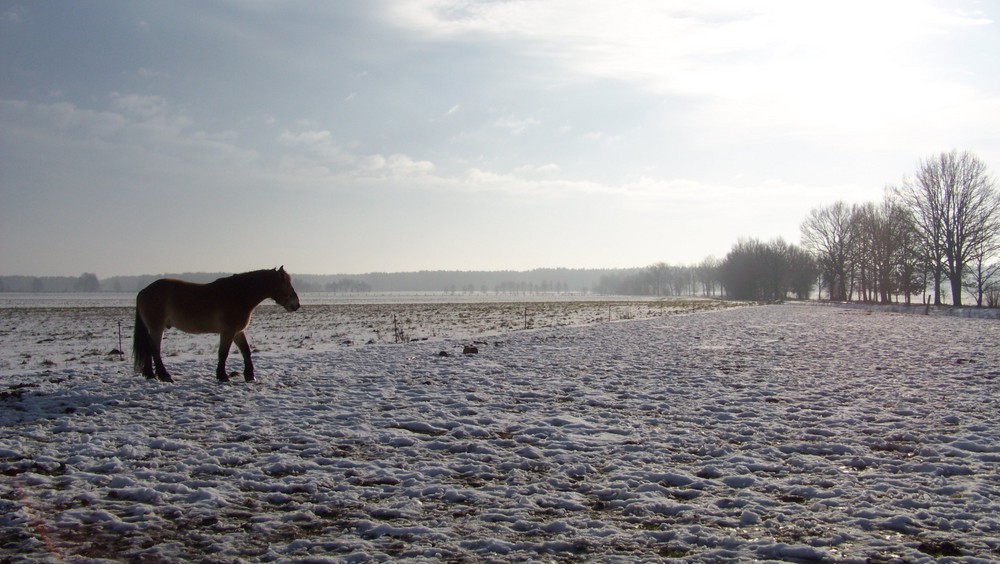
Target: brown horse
222 307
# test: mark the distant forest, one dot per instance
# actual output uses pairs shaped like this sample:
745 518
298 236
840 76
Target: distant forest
543 280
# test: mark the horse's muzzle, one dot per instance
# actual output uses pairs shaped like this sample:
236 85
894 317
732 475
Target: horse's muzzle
292 306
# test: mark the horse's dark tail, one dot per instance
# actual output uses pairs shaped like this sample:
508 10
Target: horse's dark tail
142 344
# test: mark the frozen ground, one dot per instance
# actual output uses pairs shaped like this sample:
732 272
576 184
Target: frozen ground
70 330
794 433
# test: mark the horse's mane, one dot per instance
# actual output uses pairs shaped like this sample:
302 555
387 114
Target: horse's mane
254 273
252 277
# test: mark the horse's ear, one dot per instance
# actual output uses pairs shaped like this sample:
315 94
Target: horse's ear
282 269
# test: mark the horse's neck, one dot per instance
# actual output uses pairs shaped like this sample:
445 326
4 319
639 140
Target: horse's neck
252 288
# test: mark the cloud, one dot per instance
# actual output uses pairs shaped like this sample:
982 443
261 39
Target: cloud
323 153
806 69
396 165
145 107
140 133
515 125
148 73
12 14
543 170
59 119
146 131
668 47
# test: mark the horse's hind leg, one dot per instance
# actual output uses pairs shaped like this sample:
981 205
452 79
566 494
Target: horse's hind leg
161 371
225 343
244 346
147 368
146 349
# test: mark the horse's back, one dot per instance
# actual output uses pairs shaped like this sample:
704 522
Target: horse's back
190 307
161 292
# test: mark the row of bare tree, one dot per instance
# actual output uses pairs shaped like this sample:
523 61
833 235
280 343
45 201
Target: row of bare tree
942 223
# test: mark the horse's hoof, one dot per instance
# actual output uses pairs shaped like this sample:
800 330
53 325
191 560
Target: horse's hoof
222 378
249 378
166 378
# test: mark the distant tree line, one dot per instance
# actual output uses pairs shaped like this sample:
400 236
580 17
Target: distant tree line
537 281
86 282
662 279
347 285
752 270
941 225
511 288
524 287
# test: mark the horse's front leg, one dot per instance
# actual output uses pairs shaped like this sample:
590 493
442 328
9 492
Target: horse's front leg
225 343
244 346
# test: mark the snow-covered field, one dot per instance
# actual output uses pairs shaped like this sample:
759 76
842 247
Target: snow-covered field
786 432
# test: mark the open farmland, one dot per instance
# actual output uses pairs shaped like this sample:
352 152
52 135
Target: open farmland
785 432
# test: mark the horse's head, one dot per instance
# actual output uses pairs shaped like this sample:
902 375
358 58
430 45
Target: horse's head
283 292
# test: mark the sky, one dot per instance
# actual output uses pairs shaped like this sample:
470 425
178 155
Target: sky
142 137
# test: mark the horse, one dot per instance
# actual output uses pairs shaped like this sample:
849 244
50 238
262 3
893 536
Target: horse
224 307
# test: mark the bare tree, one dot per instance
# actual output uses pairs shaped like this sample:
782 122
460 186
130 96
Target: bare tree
708 275
922 196
982 274
911 264
884 232
956 208
864 230
992 292
828 234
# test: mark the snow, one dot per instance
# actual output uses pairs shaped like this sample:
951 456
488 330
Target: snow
785 432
